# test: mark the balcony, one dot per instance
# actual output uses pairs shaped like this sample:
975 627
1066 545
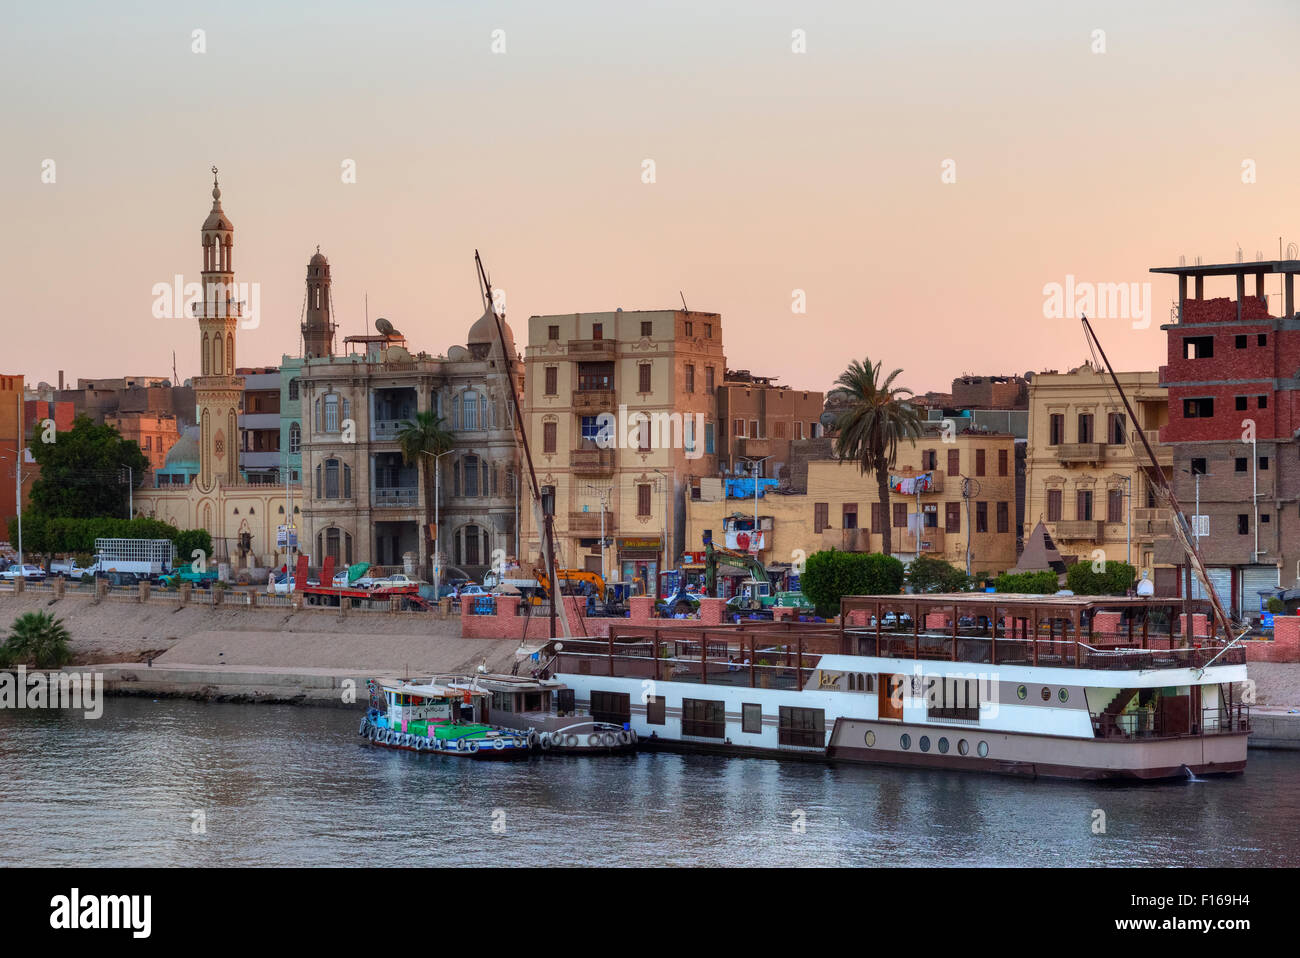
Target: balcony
395 497
1152 523
590 402
846 540
1080 452
1164 454
750 446
385 430
1089 529
936 478
931 540
592 462
597 348
588 523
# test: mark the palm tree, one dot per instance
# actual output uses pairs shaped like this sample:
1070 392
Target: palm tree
874 417
38 639
423 440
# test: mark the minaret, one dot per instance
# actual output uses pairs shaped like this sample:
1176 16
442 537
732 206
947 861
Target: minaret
218 390
318 325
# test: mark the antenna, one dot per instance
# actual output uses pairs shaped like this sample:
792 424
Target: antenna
683 296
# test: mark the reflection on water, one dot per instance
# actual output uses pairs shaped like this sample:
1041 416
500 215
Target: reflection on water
279 785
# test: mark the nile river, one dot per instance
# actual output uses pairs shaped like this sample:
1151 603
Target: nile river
284 785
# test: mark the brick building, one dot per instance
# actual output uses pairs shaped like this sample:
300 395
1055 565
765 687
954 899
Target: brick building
1233 375
760 419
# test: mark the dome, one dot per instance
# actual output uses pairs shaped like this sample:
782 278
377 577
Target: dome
216 219
484 333
185 451
319 259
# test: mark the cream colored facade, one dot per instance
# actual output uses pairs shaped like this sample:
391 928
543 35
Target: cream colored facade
662 364
837 510
1079 471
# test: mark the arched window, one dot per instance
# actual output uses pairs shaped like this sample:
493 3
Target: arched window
217 363
293 388
332 413
470 465
295 438
318 484
455 412
347 481
230 354
318 426
331 478
207 362
469 411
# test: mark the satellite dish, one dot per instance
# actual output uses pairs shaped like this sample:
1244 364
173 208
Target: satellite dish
828 419
384 326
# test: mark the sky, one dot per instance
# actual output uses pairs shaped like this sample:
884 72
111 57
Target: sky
917 176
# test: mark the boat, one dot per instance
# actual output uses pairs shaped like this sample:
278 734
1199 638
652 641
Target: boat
545 709
435 717
1065 686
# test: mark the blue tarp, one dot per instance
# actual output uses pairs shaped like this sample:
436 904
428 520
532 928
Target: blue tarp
743 488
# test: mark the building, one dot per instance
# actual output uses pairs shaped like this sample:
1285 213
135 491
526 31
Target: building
621 412
154 432
101 399
363 503
832 505
1233 376
1088 477
260 458
242 517
760 420
13 445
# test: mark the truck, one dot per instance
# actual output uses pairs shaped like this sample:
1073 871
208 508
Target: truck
379 592
187 573
124 561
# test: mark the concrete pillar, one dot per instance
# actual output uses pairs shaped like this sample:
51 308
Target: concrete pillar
782 612
1289 305
345 605
643 608
59 584
142 591
19 585
218 593
1200 287
508 606
712 611
466 605
101 589
1241 293
295 600
186 590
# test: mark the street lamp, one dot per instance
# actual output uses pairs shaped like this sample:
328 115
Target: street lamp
18 496
664 557
437 527
604 505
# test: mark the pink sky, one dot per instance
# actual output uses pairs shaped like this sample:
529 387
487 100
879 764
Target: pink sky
776 171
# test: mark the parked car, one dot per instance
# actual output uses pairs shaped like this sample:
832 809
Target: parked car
284 585
25 571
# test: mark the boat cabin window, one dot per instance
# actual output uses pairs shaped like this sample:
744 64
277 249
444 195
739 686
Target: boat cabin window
952 698
535 701
503 702
564 701
612 707
704 718
806 727
751 718
656 710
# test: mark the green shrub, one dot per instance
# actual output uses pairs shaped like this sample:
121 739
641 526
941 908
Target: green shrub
37 639
1027 583
927 574
1275 605
830 575
1115 579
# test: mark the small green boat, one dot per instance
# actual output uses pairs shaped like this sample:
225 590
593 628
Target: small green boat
430 717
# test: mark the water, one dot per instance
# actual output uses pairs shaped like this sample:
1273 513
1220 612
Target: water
284 785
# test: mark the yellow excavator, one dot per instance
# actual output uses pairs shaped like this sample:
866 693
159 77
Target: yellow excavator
592 579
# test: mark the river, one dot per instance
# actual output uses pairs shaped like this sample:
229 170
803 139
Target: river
175 782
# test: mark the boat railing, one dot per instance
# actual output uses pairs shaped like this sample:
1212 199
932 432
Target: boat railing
757 664
1174 723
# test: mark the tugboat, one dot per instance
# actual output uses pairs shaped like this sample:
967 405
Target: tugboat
544 709
432 717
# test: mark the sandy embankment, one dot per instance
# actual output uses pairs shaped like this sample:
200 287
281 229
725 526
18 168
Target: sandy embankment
255 654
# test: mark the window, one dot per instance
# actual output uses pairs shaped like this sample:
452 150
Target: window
1085 427
1115 428
643 499
1114 505
751 718
952 517
1056 429
1262 402
469 466
590 428
1243 524
552 381
331 413
709 379
738 428
1240 342
1004 517
548 437
798 430
708 439
954 462
148 442
849 513
1002 462
552 332
1053 505
952 698
593 376
597 330
1241 402
778 429
647 328
293 388
708 330
1263 463
1241 463
503 702
981 517
877 516
643 372
900 515
802 727
295 438
1199 467
690 378
1198 408
1262 339
1198 347
821 516
979 462
704 718
753 430
655 706
469 411
1083 505
643 435
690 328
612 707
929 459
331 478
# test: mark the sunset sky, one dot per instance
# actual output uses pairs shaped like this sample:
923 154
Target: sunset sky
775 170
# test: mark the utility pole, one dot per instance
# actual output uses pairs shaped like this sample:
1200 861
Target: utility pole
754 463
604 505
437 526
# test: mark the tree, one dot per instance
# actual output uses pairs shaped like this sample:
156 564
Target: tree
37 639
1116 578
875 418
423 439
84 472
928 574
1027 583
830 575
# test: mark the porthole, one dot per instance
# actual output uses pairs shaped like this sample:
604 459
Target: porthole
869 738
1063 695
963 747
1021 692
905 740
943 746
983 749
924 743
1047 694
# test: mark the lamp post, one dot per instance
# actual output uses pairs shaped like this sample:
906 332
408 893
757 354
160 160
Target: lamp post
754 463
437 527
663 544
604 505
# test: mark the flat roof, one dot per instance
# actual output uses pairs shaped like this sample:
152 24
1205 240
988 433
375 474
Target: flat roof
1232 269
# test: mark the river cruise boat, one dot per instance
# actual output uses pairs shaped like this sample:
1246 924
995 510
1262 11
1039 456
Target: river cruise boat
1086 687
546 710
436 717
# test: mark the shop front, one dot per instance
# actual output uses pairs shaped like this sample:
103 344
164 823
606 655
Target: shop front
638 562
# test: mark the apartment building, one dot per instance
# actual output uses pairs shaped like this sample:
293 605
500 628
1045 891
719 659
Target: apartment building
260 458
945 498
154 432
13 442
759 420
621 412
1088 478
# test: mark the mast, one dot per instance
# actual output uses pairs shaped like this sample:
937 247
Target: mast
1166 491
546 520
